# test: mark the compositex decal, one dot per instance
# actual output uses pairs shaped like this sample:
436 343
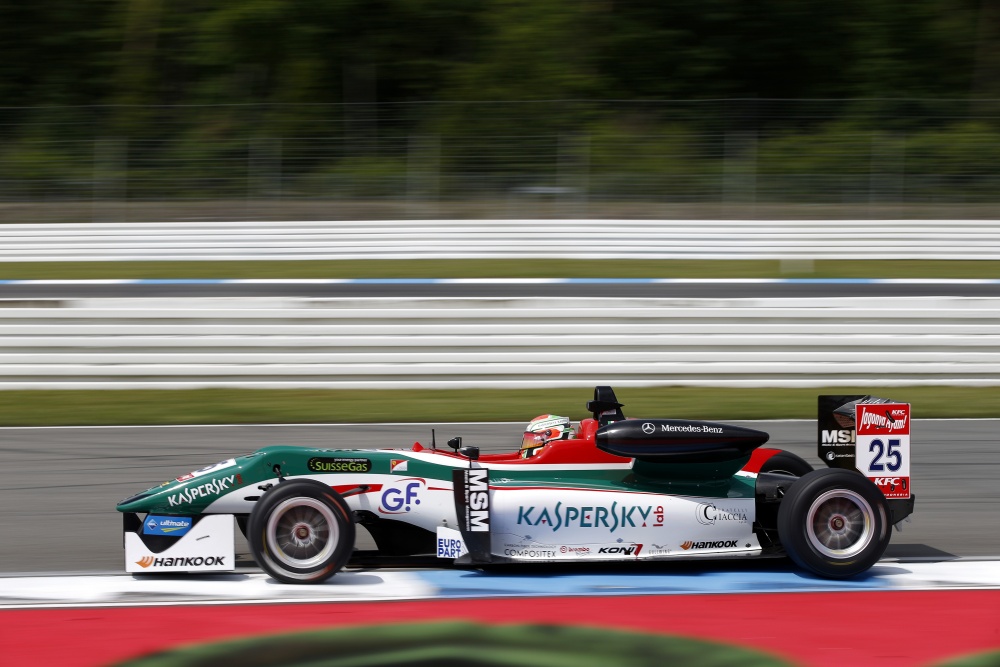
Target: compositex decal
327 464
215 467
207 490
708 513
402 496
398 465
612 518
167 525
529 552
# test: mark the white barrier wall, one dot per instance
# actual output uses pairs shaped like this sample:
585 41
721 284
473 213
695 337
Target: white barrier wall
470 239
497 342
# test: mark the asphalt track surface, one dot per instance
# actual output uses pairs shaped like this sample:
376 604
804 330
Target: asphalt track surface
598 288
60 485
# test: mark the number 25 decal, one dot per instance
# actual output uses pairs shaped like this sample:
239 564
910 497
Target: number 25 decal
890 453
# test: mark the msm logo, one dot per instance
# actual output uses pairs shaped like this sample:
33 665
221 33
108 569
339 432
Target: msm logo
479 500
837 438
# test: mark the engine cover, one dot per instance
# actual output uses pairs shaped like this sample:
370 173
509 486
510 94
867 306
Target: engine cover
678 440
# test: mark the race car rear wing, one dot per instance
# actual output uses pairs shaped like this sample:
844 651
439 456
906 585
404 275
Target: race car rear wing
871 435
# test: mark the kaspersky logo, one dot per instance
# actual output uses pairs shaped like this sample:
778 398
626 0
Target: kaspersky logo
196 561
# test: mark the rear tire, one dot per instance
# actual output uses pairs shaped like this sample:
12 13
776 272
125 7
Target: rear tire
786 463
834 523
301 532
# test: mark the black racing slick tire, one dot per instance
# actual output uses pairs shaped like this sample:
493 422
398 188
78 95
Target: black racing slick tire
834 523
301 532
786 463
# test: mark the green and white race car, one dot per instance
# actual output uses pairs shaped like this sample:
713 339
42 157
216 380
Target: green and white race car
617 490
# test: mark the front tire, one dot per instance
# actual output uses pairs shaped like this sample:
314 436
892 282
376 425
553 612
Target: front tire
301 532
834 523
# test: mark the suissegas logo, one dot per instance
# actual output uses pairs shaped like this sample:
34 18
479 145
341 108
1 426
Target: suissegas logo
402 496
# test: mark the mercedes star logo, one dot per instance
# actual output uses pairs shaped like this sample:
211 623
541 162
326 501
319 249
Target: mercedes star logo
648 428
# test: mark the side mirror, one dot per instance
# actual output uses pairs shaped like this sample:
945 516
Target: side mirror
471 453
455 443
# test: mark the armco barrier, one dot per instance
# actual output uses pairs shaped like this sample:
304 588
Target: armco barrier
484 239
498 342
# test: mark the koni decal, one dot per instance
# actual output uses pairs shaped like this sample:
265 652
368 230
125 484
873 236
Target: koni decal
596 516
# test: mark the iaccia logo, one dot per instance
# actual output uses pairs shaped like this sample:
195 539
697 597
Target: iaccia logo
708 514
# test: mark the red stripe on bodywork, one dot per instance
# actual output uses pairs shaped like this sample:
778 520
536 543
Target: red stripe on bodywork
888 629
757 459
340 488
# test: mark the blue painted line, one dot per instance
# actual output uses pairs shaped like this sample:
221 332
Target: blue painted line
468 584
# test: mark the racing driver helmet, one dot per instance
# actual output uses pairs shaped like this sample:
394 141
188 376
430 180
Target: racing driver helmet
543 429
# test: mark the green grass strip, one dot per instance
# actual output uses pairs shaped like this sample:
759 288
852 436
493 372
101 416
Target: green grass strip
455 643
285 406
503 268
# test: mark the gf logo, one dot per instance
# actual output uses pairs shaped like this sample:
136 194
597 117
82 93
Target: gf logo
397 500
145 561
648 428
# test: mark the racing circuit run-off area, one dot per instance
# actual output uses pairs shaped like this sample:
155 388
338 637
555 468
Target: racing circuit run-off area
822 629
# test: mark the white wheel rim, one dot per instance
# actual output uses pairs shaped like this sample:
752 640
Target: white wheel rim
840 524
301 532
